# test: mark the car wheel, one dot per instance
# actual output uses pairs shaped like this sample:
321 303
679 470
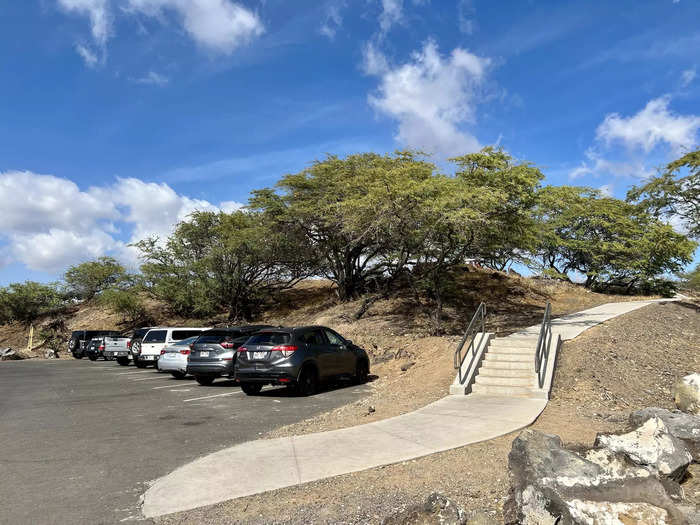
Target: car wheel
251 389
92 357
361 372
140 364
77 356
178 375
204 380
124 361
307 385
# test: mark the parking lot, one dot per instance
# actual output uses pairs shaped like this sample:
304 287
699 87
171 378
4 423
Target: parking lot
79 441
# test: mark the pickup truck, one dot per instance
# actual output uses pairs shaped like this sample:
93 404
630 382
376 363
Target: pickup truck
117 348
80 339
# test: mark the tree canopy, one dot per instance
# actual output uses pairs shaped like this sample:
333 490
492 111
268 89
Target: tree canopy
87 279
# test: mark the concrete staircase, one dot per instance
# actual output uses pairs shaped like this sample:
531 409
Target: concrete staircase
505 367
508 368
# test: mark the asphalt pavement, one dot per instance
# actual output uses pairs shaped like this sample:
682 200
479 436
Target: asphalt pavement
80 441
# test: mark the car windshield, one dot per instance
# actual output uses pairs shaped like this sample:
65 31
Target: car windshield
269 338
155 336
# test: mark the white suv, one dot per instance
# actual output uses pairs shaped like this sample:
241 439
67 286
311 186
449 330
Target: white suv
158 338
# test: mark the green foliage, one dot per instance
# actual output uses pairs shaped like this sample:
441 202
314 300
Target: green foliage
25 302
219 261
674 192
691 279
609 241
127 303
87 279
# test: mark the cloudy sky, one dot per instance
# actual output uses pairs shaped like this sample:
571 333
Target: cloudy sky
120 117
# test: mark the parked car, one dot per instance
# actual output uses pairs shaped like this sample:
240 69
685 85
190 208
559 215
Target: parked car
116 348
95 349
80 338
158 338
136 339
214 352
300 358
173 358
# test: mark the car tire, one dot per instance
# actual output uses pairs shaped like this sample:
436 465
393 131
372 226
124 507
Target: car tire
77 356
307 385
139 363
178 375
204 380
251 389
123 361
92 357
361 372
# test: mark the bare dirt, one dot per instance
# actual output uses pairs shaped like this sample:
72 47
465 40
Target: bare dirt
625 364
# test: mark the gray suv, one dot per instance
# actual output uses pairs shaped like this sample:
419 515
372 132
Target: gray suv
213 353
299 358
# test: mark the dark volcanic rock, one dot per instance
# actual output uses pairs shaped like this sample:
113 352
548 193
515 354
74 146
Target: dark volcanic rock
553 485
680 424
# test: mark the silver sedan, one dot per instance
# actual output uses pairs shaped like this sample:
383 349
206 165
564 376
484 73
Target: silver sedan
173 358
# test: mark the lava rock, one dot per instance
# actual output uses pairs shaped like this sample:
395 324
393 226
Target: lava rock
651 445
553 485
686 394
685 427
437 510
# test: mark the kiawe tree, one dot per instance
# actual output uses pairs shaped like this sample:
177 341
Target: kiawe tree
88 279
221 262
675 192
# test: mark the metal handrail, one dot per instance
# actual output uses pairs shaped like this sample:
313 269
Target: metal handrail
543 345
478 320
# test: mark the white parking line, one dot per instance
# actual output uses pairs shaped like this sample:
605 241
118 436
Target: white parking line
132 373
209 397
166 386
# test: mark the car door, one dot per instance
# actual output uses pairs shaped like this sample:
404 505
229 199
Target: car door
317 345
345 357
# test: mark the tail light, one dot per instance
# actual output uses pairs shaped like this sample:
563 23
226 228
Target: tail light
227 345
162 352
185 352
285 350
128 345
242 349
101 348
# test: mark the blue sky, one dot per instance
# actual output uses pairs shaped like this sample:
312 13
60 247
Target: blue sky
122 116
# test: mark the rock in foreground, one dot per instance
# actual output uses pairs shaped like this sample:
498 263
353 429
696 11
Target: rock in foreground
685 427
686 394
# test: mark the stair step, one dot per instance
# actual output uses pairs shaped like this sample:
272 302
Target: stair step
507 372
511 350
515 391
507 341
517 358
507 365
505 381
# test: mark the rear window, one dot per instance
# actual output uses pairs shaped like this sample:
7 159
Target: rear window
138 334
217 336
186 342
179 335
155 336
269 338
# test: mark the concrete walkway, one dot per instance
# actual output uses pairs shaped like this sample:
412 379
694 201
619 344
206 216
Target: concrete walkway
454 421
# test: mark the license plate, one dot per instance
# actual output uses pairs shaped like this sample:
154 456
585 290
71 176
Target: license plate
148 358
259 355
203 354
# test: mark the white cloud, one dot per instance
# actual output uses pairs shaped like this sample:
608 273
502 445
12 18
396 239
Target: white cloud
652 126
88 55
431 97
217 25
688 76
98 13
392 13
152 78
597 165
332 19
55 223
